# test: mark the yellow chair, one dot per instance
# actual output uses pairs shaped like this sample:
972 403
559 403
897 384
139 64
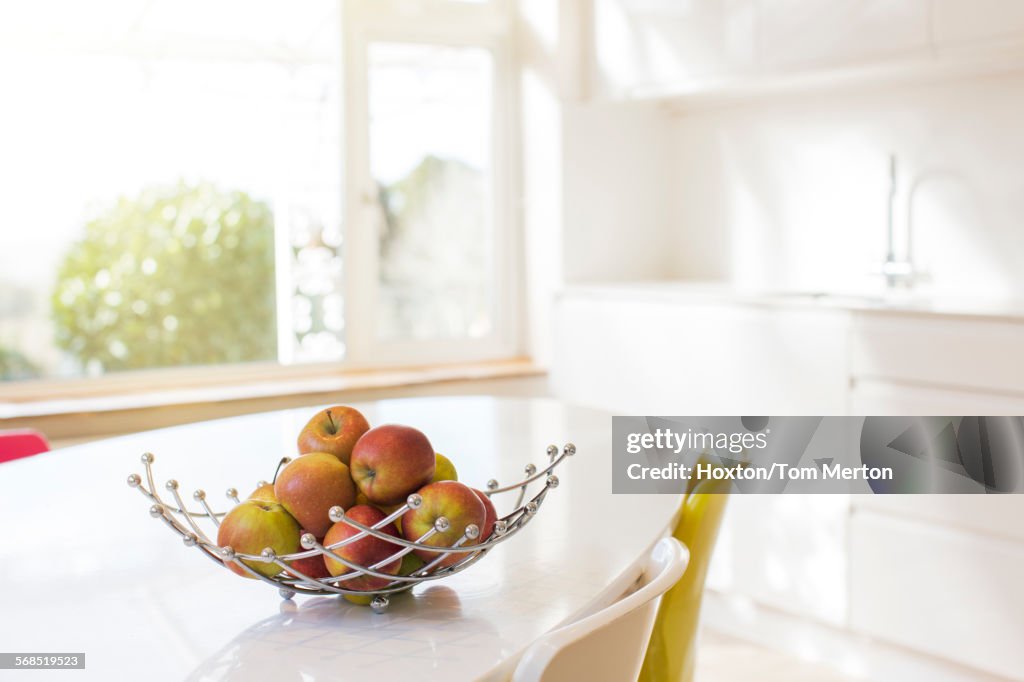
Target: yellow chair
672 650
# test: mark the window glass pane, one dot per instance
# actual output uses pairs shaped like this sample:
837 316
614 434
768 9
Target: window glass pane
169 165
430 110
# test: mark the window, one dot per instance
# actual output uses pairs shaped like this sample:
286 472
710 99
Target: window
430 162
223 182
427 98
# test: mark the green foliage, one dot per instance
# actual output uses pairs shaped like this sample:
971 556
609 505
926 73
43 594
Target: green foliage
176 276
14 366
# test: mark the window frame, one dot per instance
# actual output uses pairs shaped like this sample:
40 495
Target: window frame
445 23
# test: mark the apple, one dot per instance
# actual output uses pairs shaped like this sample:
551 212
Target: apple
390 462
492 515
410 564
264 491
334 430
310 485
255 525
387 509
454 501
391 510
365 551
312 566
444 470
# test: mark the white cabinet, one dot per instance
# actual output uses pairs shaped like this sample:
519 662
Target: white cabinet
955 22
931 350
951 562
787 552
655 46
809 34
887 397
637 355
937 574
668 48
948 593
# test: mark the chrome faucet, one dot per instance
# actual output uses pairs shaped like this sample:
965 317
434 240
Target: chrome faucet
899 269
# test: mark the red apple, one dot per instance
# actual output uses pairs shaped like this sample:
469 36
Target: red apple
313 566
310 485
255 525
365 551
456 502
334 430
492 515
390 462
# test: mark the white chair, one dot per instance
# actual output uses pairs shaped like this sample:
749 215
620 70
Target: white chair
610 644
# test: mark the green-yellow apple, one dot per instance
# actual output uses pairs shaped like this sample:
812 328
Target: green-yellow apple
454 501
492 515
390 462
255 525
444 470
264 491
365 551
410 564
334 430
310 485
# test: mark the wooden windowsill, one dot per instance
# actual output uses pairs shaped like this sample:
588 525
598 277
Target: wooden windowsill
269 384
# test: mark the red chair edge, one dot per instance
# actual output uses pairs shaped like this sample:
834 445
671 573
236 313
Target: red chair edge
19 443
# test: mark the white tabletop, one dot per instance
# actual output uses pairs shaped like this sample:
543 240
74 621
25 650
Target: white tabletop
85 568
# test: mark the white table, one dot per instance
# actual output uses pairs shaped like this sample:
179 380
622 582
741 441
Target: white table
85 568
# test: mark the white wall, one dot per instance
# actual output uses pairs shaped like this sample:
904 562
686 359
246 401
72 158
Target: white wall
791 192
618 188
596 177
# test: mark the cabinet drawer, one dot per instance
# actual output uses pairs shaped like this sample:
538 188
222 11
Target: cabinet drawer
881 397
947 593
995 516
978 354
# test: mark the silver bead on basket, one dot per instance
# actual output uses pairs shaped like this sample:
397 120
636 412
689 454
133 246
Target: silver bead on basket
188 525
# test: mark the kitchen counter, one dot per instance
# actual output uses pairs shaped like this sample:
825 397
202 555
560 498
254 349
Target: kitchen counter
714 293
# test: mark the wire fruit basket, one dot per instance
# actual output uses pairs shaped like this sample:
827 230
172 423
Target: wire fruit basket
289 581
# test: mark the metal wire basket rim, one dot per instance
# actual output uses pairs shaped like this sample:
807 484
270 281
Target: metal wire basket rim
209 513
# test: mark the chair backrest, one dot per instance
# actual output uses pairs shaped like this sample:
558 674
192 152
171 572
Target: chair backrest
610 644
672 652
19 443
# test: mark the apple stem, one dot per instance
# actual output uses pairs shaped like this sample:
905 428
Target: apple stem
284 460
